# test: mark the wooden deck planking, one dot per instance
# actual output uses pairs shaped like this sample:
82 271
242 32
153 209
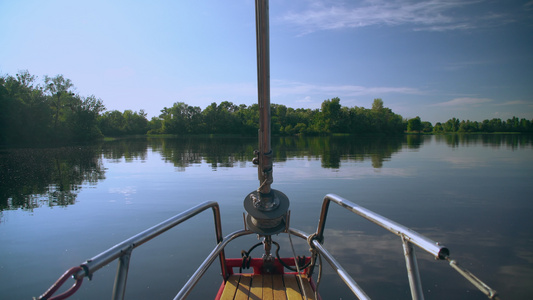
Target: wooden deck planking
292 288
278 287
256 289
244 287
230 288
268 292
266 287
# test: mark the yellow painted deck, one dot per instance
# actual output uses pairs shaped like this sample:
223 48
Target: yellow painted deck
257 287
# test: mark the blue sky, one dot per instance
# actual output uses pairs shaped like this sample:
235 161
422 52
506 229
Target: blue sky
435 59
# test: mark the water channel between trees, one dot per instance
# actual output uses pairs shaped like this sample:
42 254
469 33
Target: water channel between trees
473 193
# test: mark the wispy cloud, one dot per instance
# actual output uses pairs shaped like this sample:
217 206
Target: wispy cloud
301 91
517 102
432 15
280 87
306 99
466 101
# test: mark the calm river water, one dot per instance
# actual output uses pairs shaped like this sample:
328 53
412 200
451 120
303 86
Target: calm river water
473 193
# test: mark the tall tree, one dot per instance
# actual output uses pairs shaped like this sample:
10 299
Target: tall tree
331 111
414 124
60 90
24 109
377 105
83 116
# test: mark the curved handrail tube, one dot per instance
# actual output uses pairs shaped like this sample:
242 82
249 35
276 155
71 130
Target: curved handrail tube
124 249
348 280
186 289
106 257
408 236
487 290
432 247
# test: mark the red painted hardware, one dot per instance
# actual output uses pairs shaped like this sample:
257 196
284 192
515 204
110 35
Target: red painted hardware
48 294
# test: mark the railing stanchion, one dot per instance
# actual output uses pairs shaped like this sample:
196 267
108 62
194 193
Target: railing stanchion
119 288
412 270
409 239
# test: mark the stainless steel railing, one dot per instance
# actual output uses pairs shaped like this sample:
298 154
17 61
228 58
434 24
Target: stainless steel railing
186 289
123 250
409 238
354 287
348 280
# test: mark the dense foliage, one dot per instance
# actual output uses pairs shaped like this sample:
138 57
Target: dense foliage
52 112
47 113
494 125
241 119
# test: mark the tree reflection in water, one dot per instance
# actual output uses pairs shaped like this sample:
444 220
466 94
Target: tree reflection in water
34 177
30 178
235 151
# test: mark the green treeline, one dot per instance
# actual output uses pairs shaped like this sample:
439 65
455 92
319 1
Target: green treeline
48 113
227 117
51 112
494 125
455 125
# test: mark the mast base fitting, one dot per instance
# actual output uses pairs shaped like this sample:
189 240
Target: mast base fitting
266 214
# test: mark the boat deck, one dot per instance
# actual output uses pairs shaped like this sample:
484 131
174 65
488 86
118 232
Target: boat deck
279 286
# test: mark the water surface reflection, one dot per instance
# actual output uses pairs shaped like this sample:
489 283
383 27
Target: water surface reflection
32 177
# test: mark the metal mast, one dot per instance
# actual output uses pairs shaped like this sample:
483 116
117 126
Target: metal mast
267 208
263 89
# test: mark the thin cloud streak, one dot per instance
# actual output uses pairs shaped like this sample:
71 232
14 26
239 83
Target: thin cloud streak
280 88
517 102
297 88
434 15
464 102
